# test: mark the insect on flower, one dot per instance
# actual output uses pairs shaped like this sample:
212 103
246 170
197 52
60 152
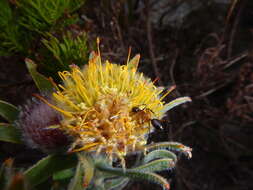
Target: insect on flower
146 116
156 123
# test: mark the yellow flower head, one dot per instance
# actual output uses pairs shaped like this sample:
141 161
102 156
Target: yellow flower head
108 108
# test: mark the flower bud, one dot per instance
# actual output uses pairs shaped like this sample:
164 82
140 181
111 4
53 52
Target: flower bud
37 122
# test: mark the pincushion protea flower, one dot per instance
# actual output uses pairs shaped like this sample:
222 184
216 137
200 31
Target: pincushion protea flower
97 104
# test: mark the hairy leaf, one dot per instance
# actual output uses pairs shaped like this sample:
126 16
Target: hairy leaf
134 174
156 154
175 103
155 166
116 184
174 146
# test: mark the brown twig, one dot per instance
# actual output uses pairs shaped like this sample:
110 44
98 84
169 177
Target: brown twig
150 42
207 93
233 30
236 59
119 32
172 66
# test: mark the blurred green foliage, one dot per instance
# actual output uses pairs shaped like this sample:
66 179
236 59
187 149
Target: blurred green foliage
13 37
36 29
60 52
40 15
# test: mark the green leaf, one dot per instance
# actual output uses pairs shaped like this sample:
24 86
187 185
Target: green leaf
46 167
151 177
134 174
174 146
9 133
43 84
155 166
175 103
76 182
157 154
117 184
64 174
8 111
